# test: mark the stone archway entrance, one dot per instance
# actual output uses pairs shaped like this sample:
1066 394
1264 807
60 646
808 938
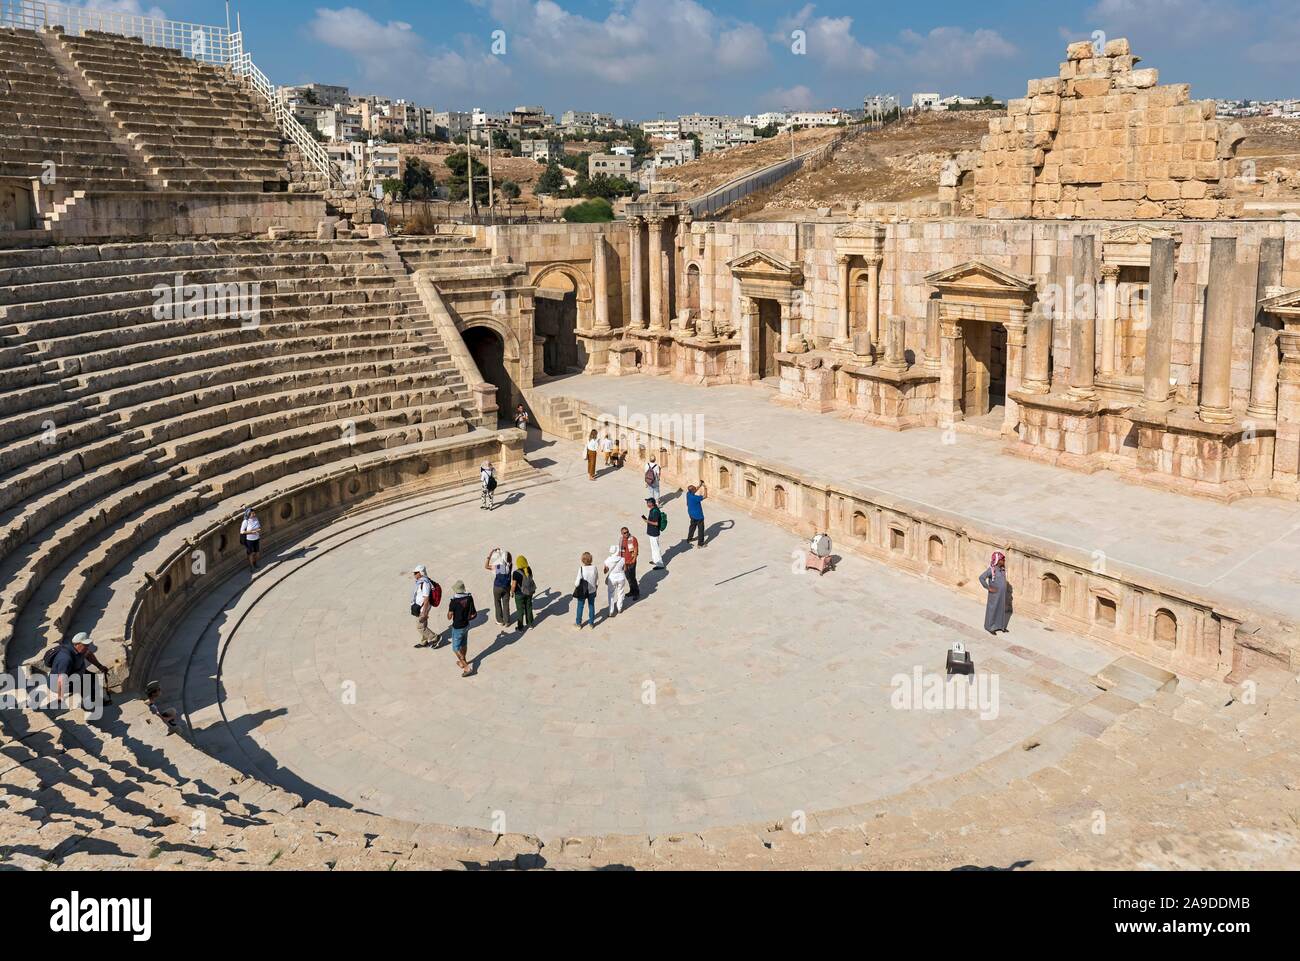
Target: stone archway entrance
564 305
488 349
983 313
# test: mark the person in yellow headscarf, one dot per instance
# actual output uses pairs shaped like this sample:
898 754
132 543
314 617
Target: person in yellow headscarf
522 588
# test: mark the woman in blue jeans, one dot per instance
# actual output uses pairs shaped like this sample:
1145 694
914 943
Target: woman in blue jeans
584 591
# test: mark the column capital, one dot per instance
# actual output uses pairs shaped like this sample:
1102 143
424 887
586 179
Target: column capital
844 259
876 261
1110 271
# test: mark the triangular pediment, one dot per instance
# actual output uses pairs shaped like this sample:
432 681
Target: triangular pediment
977 274
760 262
1286 303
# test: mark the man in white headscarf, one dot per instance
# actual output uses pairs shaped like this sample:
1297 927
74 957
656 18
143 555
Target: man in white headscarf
615 580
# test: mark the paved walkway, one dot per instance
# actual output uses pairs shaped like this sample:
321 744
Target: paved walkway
1247 554
736 690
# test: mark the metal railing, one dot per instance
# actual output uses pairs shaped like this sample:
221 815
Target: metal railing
205 43
201 42
312 151
735 190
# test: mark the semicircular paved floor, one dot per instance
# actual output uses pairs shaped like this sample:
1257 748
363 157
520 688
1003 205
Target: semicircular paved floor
736 690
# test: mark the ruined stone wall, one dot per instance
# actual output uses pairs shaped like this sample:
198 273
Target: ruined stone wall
1104 139
572 246
1038 250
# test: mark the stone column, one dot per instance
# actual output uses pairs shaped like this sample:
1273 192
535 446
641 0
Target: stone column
787 328
1216 334
1109 315
1266 361
706 276
896 345
845 335
1160 325
658 295
950 379
1038 351
1016 342
873 299
600 283
933 346
750 341
1083 321
637 254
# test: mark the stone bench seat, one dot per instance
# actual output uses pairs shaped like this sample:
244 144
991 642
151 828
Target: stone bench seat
48 611
73 259
45 550
67 336
342 263
328 399
175 415
22 524
176 365
275 466
33 464
380 359
23 304
33 421
66 156
25 398
286 335
265 456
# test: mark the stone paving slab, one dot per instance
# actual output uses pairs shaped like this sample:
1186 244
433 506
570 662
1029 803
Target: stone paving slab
772 689
1246 554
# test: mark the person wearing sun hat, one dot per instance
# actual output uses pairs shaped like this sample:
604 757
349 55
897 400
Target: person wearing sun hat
461 612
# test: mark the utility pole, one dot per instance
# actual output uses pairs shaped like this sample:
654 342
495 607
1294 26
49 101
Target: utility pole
491 186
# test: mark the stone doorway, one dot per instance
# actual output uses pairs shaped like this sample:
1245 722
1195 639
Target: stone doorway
984 369
489 353
769 338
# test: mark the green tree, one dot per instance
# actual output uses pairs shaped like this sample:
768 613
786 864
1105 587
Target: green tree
595 211
392 186
552 180
509 190
418 182
458 186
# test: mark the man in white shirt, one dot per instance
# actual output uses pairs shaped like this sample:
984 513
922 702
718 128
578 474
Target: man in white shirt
487 475
250 535
422 605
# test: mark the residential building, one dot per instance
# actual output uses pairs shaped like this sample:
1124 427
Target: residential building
455 123
663 129
325 94
925 101
701 124
816 118
543 151
610 165
384 162
675 152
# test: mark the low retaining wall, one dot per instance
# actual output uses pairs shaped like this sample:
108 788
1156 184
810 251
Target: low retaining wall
213 555
149 216
1163 622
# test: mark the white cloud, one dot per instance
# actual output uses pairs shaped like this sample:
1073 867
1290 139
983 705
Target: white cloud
131 7
829 41
949 51
676 47
790 98
1183 21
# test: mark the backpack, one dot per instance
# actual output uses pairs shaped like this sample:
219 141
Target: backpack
650 478
492 482
435 593
527 586
48 657
663 520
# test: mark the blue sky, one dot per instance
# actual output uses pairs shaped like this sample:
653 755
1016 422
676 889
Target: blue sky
638 58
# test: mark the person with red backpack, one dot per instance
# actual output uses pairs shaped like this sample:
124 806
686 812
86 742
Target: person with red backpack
424 599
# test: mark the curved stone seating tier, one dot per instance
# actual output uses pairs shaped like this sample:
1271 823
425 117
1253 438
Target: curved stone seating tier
44 120
121 429
193 124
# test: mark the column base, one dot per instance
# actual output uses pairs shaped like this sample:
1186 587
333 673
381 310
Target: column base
1261 413
1215 415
